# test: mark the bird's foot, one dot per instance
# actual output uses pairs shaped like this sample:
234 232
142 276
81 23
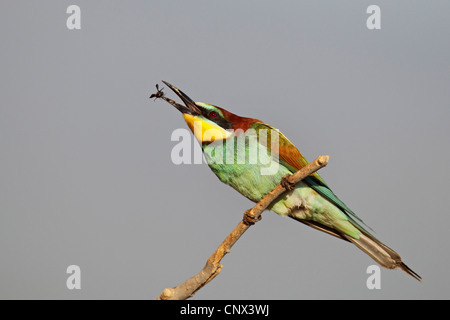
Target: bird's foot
285 183
249 218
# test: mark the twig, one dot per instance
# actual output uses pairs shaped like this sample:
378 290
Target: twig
212 267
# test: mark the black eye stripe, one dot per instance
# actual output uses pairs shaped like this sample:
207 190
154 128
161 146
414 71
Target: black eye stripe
218 119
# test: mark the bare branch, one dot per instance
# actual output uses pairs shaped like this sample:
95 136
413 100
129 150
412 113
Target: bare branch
212 267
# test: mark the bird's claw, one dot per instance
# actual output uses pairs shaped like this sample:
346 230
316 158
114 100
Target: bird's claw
249 218
285 183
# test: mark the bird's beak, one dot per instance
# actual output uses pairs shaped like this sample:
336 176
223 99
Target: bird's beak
204 130
189 108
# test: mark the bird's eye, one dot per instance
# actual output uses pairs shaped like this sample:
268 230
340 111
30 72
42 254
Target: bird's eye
213 114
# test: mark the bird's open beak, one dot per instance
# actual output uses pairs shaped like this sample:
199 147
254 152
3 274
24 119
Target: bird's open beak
204 130
189 108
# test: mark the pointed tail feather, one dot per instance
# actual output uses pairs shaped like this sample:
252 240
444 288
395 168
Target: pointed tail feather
382 254
409 271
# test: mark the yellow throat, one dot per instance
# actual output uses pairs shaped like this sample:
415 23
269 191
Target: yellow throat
205 130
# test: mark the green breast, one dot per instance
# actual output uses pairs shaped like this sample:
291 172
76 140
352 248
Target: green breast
248 169
253 172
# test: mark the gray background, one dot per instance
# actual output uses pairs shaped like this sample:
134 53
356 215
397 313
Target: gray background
86 176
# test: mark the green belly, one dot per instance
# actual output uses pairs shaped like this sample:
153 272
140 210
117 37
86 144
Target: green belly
251 179
254 177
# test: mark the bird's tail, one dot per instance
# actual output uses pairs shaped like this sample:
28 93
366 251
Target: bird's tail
382 254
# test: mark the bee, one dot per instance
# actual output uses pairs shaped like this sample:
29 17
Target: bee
159 93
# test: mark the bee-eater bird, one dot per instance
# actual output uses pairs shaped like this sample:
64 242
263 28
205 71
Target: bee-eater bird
310 201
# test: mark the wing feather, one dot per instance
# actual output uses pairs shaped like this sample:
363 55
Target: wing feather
291 158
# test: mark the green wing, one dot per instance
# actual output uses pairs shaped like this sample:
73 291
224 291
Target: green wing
326 192
291 158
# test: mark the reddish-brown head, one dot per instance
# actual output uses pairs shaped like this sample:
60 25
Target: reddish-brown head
209 122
